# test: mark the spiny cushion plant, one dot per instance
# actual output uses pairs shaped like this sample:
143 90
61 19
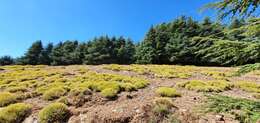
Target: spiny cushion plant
54 113
162 106
248 86
246 111
215 73
17 89
163 71
54 93
207 86
167 92
15 113
109 93
7 98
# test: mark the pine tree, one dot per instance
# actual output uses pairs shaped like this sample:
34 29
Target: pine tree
32 55
6 60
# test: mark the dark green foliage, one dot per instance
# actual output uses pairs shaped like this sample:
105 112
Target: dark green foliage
225 52
185 41
66 53
105 50
242 8
248 68
6 60
99 51
32 55
45 57
246 111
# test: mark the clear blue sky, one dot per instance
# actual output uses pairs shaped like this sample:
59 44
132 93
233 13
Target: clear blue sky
24 21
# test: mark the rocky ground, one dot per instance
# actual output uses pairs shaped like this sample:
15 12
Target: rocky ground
135 107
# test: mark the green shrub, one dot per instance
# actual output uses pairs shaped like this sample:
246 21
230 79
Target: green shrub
207 86
167 92
248 86
54 113
63 100
246 111
80 90
127 87
17 89
54 93
109 93
7 98
248 68
140 84
162 106
15 113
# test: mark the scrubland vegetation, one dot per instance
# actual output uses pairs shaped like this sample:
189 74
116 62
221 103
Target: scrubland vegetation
61 88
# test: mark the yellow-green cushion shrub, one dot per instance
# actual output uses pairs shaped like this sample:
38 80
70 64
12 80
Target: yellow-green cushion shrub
54 113
17 89
167 92
162 106
109 93
15 113
7 98
248 86
54 93
127 87
207 86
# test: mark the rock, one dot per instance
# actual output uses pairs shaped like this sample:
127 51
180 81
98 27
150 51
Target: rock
137 111
30 119
220 117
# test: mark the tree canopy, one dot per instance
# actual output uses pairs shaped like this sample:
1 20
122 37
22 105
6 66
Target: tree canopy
182 41
243 8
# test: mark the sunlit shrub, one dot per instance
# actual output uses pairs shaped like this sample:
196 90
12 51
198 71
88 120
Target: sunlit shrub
54 113
7 98
109 93
15 113
248 86
54 93
17 89
207 86
167 92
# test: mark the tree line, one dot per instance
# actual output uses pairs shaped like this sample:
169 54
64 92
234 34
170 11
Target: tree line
182 41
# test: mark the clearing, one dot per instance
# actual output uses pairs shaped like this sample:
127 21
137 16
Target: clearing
128 93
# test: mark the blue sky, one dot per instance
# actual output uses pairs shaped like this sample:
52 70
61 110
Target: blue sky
25 21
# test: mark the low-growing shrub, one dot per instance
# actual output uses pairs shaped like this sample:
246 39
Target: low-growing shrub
248 68
109 93
7 98
127 87
15 113
63 100
140 84
162 106
257 96
54 113
246 111
248 86
80 90
17 89
167 92
207 86
54 93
